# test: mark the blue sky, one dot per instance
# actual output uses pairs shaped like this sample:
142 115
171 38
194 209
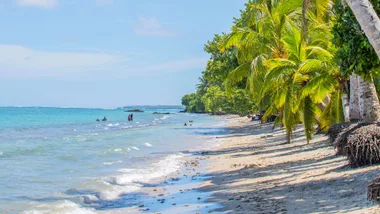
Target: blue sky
106 53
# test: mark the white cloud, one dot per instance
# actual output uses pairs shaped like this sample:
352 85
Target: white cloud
45 4
19 61
152 27
175 66
101 3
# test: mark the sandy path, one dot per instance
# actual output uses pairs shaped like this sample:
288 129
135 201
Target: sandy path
254 171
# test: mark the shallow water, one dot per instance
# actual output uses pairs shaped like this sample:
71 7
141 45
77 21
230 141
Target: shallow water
59 160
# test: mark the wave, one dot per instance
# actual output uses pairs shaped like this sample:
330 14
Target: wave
135 148
164 117
62 207
129 180
164 167
112 163
147 145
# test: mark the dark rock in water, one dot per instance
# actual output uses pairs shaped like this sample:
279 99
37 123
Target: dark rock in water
161 200
161 113
184 111
134 110
204 153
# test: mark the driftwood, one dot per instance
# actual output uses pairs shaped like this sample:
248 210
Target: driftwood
373 190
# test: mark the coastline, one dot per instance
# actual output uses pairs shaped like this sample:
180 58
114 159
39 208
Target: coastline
253 170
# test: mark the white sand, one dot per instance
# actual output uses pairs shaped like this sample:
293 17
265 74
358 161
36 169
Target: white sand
254 171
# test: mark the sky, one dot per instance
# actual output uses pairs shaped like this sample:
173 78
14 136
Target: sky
106 53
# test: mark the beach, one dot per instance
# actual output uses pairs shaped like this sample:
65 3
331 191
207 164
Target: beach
253 170
220 164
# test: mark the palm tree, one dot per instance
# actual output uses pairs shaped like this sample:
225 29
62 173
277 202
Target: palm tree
301 81
370 23
368 20
290 73
261 39
203 85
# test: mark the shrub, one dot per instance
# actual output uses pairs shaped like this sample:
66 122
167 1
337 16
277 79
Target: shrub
335 130
340 141
373 190
363 146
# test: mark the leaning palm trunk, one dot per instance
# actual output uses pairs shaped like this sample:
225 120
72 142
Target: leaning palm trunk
354 98
370 23
368 102
368 20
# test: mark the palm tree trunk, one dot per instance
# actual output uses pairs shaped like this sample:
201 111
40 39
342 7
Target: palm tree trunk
346 107
369 105
368 20
288 136
370 24
354 98
305 6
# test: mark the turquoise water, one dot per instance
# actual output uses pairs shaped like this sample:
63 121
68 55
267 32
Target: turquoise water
60 160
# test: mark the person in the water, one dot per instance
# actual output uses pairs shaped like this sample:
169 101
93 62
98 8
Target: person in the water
104 118
97 120
185 124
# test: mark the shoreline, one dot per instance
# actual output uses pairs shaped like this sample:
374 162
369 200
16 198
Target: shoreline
253 170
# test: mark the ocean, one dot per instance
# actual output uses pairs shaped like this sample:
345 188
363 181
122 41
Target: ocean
61 160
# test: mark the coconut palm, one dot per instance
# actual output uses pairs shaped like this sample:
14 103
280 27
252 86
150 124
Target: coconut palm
300 82
369 105
203 85
289 75
259 40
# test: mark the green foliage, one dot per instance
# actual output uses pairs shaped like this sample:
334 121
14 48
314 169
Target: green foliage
213 95
241 103
355 53
214 99
377 85
220 63
193 103
280 59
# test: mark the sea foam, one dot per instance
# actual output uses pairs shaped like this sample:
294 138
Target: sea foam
130 180
62 207
147 145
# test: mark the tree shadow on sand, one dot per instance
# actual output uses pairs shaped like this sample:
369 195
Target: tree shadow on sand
301 193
